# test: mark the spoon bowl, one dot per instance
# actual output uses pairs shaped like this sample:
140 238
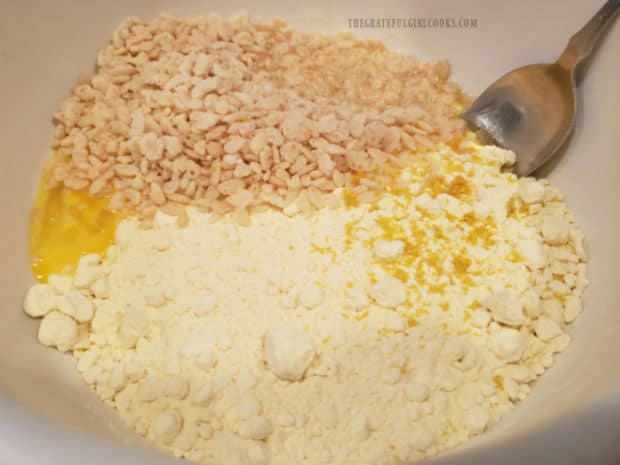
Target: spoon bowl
531 110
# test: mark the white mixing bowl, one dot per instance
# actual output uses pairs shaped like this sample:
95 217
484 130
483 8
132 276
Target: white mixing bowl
49 416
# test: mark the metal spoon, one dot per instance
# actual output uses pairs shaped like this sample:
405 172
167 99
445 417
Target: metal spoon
531 109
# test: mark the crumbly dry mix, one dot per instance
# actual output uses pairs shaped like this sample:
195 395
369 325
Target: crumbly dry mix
376 329
373 333
230 114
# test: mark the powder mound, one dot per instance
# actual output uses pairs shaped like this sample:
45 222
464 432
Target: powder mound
385 332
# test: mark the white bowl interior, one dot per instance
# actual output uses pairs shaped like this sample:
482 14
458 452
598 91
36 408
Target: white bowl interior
44 46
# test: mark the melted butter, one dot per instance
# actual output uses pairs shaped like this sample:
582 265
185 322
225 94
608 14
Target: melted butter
499 382
323 251
65 225
350 199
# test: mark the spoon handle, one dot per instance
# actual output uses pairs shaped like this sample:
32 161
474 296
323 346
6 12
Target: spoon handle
582 43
